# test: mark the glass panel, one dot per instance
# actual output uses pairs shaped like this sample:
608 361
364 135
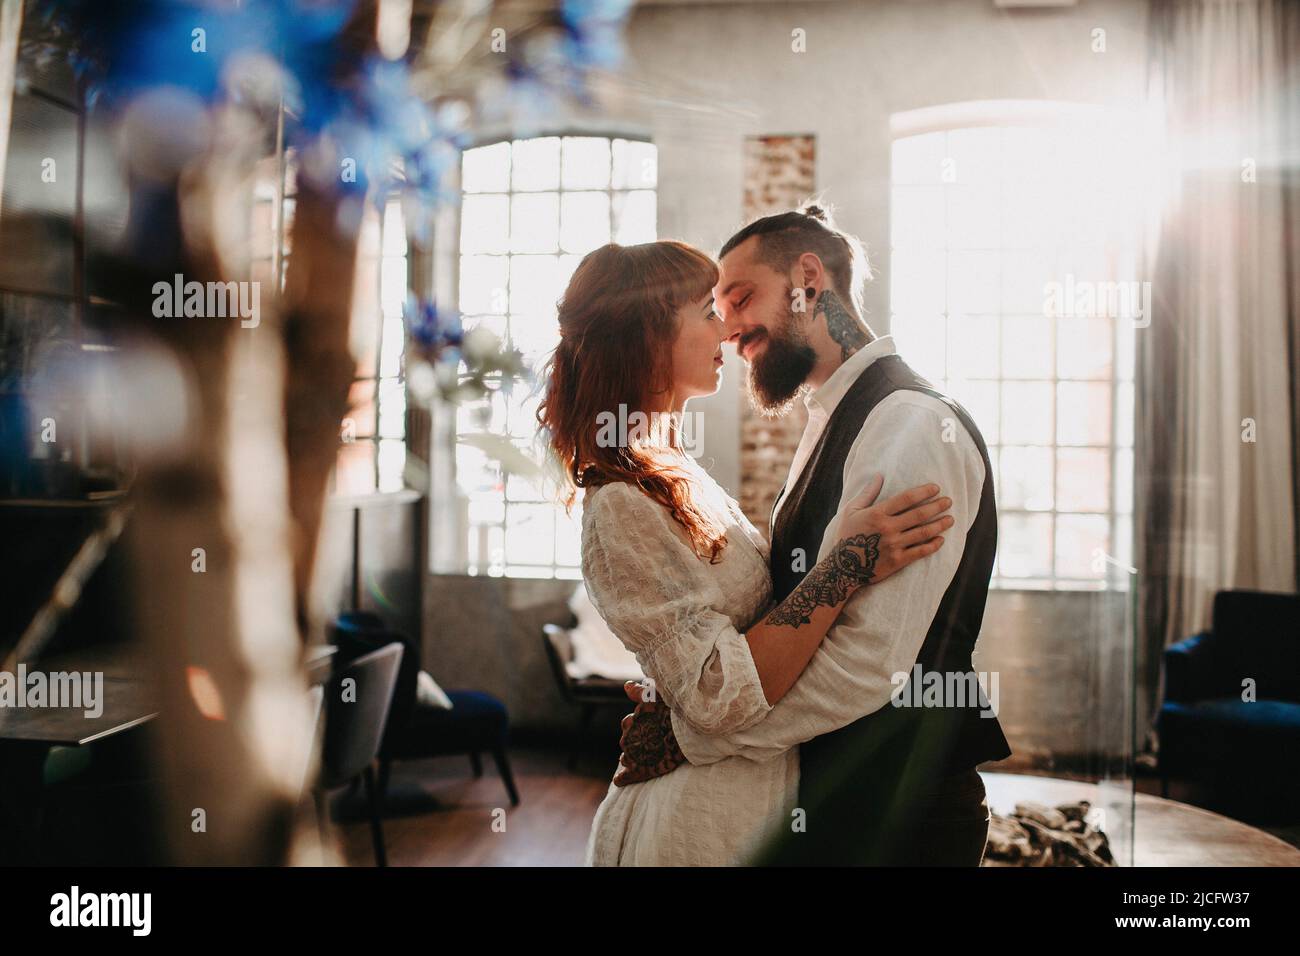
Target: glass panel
530 533
973 346
519 488
523 415
1026 347
635 165
917 217
486 169
634 217
486 509
483 284
392 408
485 224
1082 546
534 223
1124 544
392 464
1026 478
480 479
393 290
1026 220
535 336
486 549
1124 414
535 164
584 221
916 284
568 535
977 154
586 162
1027 156
1024 279
973 282
1082 479
1124 481
568 263
974 218
1084 348
1125 345
534 284
919 159
1025 545
1083 413
922 341
394 229
1027 417
394 344
980 399
496 324
354 469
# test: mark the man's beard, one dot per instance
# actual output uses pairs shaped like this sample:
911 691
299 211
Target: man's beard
778 374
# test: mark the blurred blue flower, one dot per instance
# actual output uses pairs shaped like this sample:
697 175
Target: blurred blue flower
430 329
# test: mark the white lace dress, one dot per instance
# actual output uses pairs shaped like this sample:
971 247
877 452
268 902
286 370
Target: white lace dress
684 619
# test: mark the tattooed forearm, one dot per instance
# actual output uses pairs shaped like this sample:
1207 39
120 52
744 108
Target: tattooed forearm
849 566
843 327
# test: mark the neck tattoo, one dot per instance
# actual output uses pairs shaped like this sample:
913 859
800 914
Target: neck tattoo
843 327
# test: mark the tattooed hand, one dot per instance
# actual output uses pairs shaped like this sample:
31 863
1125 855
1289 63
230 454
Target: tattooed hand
649 748
875 541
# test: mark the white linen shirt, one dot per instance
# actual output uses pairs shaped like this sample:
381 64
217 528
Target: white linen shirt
912 439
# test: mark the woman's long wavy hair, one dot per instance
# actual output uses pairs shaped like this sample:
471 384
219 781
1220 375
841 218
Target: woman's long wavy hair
618 324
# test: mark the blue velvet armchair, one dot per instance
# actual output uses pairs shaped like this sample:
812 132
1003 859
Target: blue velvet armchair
1244 753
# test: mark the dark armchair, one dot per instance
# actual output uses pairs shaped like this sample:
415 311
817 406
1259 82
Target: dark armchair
587 693
1245 752
477 721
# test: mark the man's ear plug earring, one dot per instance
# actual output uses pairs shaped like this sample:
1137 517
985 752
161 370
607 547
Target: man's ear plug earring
810 292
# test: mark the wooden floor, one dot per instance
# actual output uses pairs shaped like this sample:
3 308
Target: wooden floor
438 814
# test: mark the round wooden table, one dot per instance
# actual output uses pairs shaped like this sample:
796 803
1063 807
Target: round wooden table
1166 833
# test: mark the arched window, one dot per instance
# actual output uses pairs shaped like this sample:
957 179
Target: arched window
1012 288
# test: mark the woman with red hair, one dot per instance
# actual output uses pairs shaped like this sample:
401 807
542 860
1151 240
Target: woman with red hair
676 570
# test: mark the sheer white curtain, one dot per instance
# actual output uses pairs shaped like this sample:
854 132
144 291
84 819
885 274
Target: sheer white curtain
1216 390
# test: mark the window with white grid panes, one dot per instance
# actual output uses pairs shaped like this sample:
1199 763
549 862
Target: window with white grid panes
531 209
983 220
372 450
372 457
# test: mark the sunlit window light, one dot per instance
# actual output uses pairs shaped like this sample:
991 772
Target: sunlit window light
985 218
531 209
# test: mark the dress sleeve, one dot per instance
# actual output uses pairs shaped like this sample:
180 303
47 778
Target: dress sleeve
661 600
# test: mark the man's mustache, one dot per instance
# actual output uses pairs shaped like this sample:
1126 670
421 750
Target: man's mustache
749 337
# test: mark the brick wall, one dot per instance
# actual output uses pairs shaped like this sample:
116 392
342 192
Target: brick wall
779 175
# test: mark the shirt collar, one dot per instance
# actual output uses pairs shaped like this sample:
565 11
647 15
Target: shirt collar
832 390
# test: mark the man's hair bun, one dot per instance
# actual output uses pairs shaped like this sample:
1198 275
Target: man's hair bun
814 211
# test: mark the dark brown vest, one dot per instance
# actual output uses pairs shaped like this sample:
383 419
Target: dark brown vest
934 740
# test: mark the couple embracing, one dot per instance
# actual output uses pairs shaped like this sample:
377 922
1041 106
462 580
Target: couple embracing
769 728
